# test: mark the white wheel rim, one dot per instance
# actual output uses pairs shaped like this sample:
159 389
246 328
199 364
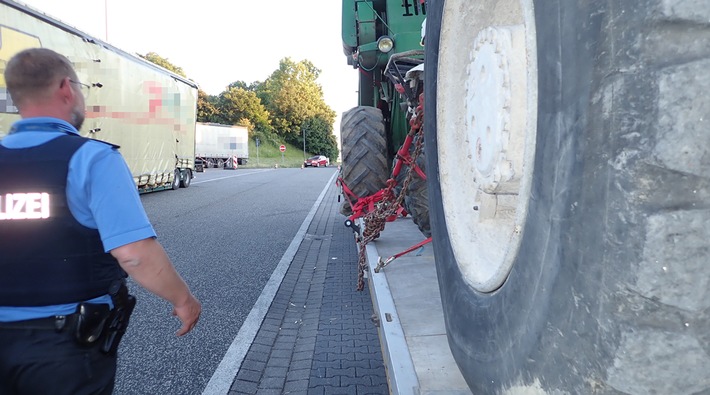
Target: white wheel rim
486 132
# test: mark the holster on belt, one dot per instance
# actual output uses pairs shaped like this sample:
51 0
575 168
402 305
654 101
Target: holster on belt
89 322
117 321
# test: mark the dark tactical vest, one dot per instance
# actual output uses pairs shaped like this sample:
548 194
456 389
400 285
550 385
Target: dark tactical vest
46 256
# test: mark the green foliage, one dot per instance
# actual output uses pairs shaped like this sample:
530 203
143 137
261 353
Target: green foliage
163 62
247 87
319 137
292 95
277 111
270 156
206 107
236 104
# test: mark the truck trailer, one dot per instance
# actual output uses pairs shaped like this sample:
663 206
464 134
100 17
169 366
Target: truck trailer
567 180
149 112
221 146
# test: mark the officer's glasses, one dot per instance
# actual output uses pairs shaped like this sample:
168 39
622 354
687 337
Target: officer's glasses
85 88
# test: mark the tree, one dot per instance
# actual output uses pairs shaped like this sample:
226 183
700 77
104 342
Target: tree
236 104
292 95
319 137
163 62
206 107
247 87
288 102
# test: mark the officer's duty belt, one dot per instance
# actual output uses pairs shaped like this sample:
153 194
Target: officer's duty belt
57 323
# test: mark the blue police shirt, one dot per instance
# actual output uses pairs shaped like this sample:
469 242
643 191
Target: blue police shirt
101 195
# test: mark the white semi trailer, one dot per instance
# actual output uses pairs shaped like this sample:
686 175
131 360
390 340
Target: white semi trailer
148 111
221 146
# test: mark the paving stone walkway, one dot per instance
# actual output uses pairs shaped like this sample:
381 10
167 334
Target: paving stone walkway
318 336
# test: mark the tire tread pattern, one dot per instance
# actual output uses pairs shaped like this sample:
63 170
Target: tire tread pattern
364 168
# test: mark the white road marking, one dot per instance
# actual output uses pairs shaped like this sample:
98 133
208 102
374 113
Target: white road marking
232 176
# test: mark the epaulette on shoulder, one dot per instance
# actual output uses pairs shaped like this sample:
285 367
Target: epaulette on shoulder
115 146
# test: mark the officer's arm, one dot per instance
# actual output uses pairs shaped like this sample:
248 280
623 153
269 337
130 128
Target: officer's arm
148 264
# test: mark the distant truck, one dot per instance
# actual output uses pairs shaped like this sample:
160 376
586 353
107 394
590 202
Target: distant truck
221 146
148 111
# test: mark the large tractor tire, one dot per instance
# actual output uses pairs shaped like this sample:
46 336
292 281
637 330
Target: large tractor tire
364 166
416 201
416 198
569 189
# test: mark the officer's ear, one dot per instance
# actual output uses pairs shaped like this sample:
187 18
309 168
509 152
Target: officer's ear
66 91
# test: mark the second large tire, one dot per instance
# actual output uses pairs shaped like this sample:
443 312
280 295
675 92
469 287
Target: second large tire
416 198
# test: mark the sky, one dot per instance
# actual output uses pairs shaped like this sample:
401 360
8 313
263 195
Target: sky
217 42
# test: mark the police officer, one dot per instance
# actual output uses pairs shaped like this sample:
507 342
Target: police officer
71 223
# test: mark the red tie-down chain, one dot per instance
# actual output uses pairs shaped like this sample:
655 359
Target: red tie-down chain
383 206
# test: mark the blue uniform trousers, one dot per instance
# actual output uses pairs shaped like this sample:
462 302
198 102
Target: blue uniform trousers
36 358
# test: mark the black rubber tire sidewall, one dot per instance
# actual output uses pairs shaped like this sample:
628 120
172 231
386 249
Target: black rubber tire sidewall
493 335
364 167
176 180
416 198
186 180
558 319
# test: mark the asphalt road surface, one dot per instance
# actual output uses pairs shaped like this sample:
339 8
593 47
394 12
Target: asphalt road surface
226 234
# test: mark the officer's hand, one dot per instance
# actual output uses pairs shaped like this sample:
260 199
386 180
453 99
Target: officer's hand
188 313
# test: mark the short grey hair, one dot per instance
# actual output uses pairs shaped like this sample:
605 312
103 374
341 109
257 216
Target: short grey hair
31 72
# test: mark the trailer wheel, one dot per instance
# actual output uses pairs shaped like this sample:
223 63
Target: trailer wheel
176 180
186 178
220 163
364 166
569 179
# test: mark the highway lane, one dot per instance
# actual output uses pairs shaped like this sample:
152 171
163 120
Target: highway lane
225 233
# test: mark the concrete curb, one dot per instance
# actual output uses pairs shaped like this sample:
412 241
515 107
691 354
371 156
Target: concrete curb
398 361
407 301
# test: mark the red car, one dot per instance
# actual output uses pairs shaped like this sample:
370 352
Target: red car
316 161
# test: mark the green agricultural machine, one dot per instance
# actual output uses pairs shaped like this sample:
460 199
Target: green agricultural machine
567 178
383 40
